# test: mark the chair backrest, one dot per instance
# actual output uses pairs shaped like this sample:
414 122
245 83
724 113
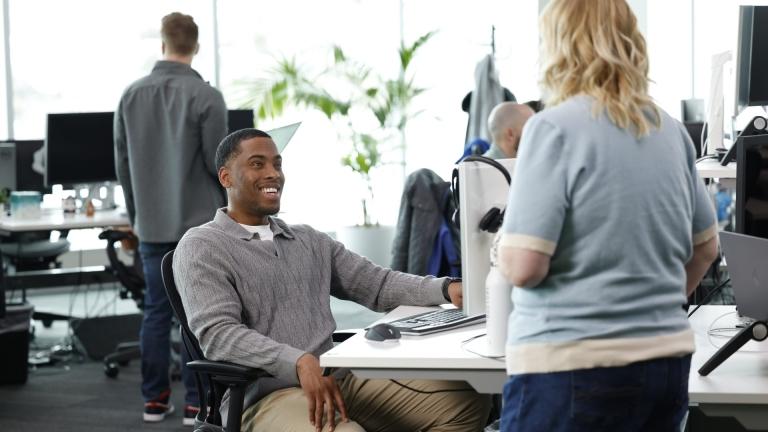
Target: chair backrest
131 278
190 341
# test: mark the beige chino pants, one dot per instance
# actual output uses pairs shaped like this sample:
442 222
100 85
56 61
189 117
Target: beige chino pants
378 406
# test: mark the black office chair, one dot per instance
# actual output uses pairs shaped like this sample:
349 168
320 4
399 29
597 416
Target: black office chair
33 250
132 286
220 376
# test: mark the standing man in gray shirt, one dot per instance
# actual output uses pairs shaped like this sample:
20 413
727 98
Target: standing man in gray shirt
167 127
256 292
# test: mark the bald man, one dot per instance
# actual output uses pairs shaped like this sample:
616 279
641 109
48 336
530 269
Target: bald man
505 124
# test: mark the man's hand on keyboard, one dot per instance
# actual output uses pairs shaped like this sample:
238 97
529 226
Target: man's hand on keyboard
454 292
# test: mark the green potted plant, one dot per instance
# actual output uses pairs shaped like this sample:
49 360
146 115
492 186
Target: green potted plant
353 98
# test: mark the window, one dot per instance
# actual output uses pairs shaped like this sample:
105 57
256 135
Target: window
254 36
79 55
4 132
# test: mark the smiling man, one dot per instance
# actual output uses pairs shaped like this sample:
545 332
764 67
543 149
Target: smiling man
257 292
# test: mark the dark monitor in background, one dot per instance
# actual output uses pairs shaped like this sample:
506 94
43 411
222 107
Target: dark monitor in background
19 171
239 119
79 149
752 186
752 57
692 111
694 131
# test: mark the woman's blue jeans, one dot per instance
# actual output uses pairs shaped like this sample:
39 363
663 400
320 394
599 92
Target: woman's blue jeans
650 395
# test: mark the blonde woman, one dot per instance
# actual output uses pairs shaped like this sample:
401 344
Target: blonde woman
614 228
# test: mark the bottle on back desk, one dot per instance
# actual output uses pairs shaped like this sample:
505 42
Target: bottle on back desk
90 210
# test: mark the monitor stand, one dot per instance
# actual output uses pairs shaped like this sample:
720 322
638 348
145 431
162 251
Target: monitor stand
107 202
757 331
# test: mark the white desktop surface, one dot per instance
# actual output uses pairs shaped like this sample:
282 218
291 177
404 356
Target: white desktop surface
711 168
435 356
740 380
57 220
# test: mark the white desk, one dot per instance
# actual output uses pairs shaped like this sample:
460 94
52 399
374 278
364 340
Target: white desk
739 386
436 356
711 168
50 220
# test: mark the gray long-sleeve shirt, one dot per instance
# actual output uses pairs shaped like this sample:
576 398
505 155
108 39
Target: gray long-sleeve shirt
167 127
266 303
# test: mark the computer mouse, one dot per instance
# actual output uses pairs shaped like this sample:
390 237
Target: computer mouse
382 332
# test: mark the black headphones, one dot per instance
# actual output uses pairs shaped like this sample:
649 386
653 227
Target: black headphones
492 219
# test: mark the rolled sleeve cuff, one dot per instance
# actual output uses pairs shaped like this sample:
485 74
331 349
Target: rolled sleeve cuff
286 364
435 292
705 236
528 242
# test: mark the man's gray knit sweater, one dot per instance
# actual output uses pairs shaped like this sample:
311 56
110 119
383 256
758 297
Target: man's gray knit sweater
266 303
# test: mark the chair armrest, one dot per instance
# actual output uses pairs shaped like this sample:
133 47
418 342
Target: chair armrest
342 335
226 369
115 235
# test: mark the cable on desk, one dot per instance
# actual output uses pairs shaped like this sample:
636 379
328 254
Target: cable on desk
709 296
716 332
466 341
405 386
707 157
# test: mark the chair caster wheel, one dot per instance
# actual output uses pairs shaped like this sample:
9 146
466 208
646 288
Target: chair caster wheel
111 370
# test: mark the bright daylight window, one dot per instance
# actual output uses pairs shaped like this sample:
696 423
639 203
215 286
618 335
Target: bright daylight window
79 55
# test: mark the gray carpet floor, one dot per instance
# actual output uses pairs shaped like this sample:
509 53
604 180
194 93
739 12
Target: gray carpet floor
74 394
79 397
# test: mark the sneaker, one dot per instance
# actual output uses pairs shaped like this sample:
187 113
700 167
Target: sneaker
156 410
190 413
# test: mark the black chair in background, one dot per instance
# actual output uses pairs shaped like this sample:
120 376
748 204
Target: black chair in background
132 287
131 278
33 250
27 251
219 376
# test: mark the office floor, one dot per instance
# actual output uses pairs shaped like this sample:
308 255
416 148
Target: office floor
73 394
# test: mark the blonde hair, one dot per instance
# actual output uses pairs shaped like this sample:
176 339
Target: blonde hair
594 47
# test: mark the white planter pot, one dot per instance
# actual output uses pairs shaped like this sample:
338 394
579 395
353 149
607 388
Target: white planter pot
372 242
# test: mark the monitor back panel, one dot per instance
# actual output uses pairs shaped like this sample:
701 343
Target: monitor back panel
746 257
481 187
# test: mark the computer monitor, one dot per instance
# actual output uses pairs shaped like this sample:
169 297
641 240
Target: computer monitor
695 130
21 166
481 187
79 149
752 186
239 119
752 57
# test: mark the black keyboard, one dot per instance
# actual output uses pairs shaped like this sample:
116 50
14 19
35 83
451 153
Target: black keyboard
435 321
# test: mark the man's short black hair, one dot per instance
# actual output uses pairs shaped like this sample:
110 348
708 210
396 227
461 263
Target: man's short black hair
229 147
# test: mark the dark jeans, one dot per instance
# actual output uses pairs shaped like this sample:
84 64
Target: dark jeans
645 396
156 330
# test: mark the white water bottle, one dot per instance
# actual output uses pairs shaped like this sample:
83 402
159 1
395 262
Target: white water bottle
498 305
